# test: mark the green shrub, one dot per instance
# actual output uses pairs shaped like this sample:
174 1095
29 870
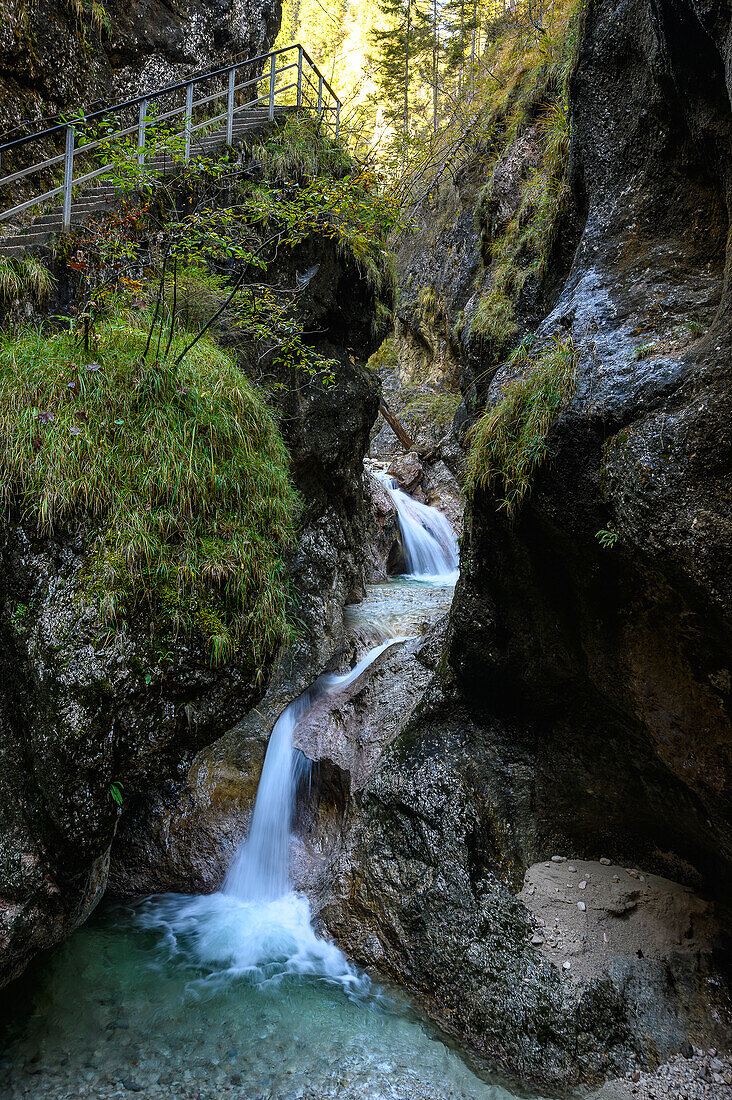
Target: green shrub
531 88
181 471
509 441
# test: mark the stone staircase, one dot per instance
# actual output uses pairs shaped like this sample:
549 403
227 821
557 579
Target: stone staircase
103 199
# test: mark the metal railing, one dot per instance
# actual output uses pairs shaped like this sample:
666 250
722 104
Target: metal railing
183 114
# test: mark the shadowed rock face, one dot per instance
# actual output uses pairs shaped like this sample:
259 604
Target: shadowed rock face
54 61
617 660
586 705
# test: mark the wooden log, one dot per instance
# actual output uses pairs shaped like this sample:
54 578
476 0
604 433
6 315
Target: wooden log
403 437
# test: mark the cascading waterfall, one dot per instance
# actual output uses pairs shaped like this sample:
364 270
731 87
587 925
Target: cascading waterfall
430 546
189 988
260 871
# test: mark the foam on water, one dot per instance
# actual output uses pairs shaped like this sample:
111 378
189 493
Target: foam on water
260 943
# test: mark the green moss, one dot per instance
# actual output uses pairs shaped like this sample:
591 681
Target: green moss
385 357
509 441
181 471
437 409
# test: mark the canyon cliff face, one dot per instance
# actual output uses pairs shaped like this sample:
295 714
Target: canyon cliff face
57 56
582 707
83 707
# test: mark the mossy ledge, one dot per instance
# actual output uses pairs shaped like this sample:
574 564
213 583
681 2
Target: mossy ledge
181 470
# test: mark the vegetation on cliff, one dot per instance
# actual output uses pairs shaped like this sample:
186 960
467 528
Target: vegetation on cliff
509 441
133 419
528 99
180 467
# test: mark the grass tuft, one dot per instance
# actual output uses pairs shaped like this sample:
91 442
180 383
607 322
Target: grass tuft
181 471
299 150
509 441
27 275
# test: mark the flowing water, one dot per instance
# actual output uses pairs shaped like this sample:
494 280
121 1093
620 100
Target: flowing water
234 994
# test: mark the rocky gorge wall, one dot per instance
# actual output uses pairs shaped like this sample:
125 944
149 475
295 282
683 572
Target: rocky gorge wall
582 707
59 55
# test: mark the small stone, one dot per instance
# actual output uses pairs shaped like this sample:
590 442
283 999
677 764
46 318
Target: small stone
633 873
616 878
582 885
566 964
581 905
605 862
571 868
687 1049
559 859
716 1065
536 939
130 1085
635 1076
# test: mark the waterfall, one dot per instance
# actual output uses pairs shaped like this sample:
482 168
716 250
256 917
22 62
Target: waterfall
430 546
260 871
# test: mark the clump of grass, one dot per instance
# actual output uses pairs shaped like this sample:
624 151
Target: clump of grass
509 441
299 150
24 275
198 293
181 472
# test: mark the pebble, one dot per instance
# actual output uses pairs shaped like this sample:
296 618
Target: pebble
583 885
570 868
536 939
581 905
688 1075
566 965
616 878
605 862
559 859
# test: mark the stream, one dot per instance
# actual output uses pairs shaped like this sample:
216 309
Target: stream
233 993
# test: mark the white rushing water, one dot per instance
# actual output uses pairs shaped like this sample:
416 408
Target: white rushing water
260 871
430 546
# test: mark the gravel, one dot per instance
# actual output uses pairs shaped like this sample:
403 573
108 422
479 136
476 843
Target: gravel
707 1075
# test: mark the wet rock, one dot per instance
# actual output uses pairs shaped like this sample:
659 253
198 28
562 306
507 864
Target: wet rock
383 549
408 473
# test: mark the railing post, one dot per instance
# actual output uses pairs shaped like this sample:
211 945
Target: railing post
68 175
189 118
338 119
141 133
320 95
230 108
272 74
299 76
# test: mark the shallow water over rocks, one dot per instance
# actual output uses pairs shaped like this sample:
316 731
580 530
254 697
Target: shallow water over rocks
159 999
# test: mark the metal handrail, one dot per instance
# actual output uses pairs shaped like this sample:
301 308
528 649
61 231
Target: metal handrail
71 127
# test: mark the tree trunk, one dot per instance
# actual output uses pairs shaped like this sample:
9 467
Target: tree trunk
396 427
